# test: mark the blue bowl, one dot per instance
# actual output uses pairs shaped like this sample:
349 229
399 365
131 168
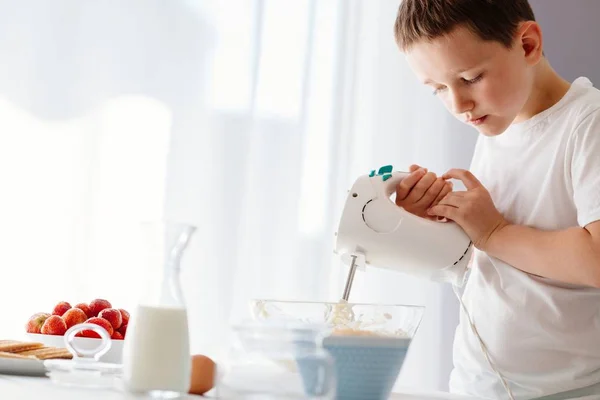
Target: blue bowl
366 366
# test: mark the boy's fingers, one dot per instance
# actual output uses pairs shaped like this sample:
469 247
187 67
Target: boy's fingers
407 184
432 193
445 190
415 167
419 190
467 178
448 212
453 199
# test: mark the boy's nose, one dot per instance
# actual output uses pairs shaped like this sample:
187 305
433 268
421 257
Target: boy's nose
461 103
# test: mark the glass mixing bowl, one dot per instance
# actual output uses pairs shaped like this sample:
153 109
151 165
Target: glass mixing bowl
277 361
368 342
391 320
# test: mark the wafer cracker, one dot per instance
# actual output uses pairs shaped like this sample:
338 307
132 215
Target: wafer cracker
4 354
46 353
15 346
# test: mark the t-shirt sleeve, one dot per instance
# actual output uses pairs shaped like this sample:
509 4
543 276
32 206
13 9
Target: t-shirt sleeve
585 169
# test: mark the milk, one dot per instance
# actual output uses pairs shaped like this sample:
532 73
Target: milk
156 353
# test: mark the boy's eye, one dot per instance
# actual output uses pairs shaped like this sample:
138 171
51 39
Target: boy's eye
474 80
438 90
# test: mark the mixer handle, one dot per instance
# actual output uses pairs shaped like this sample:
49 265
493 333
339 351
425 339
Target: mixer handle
391 184
387 179
387 182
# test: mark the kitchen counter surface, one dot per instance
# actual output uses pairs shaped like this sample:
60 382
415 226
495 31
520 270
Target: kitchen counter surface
30 388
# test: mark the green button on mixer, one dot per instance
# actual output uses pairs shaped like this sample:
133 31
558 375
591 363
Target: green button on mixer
386 177
386 169
372 174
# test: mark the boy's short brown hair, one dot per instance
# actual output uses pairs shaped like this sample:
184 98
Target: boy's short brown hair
494 20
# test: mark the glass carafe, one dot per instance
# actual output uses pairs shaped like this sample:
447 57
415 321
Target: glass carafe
156 353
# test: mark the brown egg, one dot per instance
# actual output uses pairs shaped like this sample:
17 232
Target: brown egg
203 374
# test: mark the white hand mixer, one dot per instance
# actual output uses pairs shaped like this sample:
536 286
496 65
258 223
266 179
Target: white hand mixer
373 230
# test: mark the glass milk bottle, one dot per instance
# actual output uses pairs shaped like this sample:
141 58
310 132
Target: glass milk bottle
156 353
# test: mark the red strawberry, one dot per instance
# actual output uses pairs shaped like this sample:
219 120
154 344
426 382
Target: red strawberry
113 316
34 325
123 330
124 316
98 305
100 322
54 325
61 308
85 308
116 336
74 316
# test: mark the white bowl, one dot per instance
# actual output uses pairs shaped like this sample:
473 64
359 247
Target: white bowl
114 354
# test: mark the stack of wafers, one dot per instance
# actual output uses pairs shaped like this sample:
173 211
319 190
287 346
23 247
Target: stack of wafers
31 350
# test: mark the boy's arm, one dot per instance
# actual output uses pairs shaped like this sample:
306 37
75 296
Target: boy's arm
571 255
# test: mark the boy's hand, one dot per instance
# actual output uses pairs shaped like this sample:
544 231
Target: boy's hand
473 210
421 190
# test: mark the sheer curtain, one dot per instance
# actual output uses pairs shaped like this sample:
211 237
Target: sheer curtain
249 119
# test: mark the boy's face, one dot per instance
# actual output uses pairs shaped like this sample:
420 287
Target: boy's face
481 82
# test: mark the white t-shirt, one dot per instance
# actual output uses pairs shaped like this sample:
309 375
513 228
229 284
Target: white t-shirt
543 335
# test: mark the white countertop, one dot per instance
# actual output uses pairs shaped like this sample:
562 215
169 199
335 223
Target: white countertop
28 388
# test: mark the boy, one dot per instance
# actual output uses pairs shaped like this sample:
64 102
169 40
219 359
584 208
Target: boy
532 204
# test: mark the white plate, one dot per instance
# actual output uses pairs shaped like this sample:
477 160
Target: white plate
16 366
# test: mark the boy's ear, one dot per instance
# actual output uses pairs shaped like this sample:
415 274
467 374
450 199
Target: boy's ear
529 39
